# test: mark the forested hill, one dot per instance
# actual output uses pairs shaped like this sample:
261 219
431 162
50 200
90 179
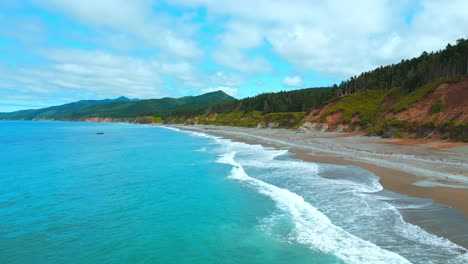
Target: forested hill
292 101
60 111
118 108
408 75
153 107
424 97
414 73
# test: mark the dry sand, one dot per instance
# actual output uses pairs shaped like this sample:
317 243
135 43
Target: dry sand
426 169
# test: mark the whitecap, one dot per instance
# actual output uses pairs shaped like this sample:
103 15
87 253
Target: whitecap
313 228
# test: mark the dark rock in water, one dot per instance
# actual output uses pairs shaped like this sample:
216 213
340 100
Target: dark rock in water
99 133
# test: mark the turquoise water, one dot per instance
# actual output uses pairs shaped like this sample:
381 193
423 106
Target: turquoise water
141 194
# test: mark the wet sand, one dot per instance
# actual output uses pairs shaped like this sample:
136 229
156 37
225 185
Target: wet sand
442 173
401 165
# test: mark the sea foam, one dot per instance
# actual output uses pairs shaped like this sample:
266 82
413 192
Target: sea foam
361 219
312 227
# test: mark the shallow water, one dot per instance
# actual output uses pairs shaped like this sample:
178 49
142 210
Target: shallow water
141 194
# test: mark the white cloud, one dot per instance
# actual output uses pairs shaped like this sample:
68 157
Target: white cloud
185 73
97 73
135 19
225 79
337 38
239 35
293 81
229 90
101 74
236 60
136 48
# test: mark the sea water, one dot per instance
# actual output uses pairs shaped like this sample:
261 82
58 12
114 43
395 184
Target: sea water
143 194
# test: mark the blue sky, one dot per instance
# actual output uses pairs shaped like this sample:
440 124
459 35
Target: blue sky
58 51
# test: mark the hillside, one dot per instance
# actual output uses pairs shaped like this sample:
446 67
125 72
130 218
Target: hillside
118 108
438 109
61 111
152 107
421 97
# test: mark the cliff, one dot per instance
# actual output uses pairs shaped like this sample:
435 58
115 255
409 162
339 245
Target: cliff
437 110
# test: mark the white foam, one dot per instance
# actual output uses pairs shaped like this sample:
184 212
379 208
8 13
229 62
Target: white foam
417 234
439 184
171 128
389 160
311 226
462 259
193 133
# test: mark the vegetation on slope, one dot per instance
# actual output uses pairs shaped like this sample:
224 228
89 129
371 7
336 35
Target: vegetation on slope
364 105
414 97
246 119
286 101
119 108
370 101
61 111
436 109
414 73
283 109
154 107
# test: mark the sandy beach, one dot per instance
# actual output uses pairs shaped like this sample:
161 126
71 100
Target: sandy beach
418 168
435 170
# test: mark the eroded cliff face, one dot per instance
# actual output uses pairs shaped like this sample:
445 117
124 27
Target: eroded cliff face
448 102
442 112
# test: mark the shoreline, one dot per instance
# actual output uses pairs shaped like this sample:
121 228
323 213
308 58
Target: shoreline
450 191
444 218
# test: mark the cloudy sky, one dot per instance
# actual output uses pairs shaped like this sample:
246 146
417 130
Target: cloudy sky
59 51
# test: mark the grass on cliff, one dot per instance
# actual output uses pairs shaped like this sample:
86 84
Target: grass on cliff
250 119
234 118
414 97
365 104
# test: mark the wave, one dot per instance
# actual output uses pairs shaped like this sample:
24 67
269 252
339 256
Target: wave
366 226
192 133
311 226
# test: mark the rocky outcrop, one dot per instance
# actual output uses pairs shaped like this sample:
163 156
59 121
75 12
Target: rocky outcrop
100 119
268 125
315 126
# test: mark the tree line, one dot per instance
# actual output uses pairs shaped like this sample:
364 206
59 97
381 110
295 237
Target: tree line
284 101
408 74
411 74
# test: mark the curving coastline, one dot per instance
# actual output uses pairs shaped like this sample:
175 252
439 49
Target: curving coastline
418 170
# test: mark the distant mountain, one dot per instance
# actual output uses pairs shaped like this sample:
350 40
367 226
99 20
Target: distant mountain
155 107
58 112
123 99
121 107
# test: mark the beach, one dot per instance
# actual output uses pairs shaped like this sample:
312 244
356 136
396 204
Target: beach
434 170
156 193
425 169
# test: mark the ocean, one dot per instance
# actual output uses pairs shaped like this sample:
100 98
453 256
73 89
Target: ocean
152 194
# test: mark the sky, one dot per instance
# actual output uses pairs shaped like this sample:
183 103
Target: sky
59 51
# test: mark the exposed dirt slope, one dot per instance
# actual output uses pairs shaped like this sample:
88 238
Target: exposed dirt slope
453 99
440 110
